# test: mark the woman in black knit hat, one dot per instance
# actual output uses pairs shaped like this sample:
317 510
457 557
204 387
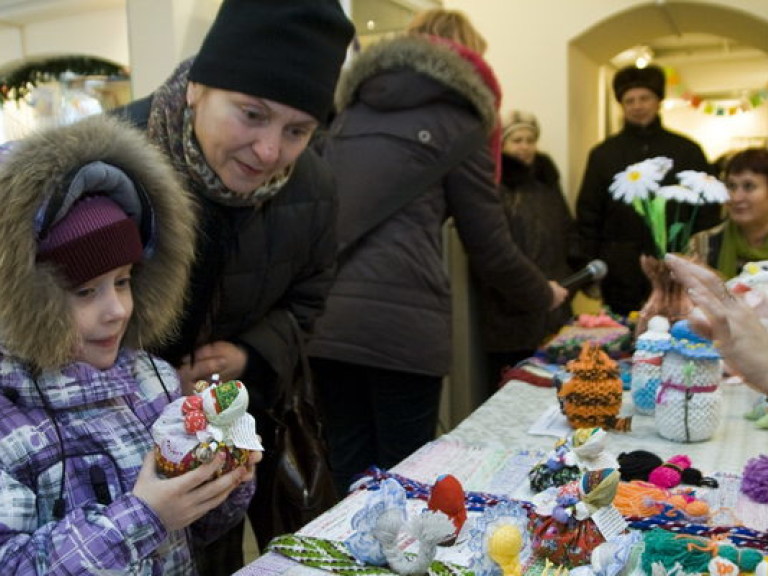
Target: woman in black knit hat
236 120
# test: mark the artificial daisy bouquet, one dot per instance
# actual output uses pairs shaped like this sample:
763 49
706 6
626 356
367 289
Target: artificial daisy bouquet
639 185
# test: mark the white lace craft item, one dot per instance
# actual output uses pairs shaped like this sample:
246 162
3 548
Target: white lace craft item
646 364
688 400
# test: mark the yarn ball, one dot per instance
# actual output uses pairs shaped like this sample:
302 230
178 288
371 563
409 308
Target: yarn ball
754 479
636 465
670 473
697 508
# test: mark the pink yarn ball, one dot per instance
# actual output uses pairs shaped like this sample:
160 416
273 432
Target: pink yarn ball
669 474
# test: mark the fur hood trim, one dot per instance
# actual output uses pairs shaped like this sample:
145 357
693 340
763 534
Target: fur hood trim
35 322
418 53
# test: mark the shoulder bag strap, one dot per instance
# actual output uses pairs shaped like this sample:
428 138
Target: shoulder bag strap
301 385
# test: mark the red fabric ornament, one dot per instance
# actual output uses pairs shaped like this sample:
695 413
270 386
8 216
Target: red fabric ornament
195 421
447 496
192 404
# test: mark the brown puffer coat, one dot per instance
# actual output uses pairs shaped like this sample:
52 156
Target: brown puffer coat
402 104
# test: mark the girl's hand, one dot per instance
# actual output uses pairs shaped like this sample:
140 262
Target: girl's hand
181 500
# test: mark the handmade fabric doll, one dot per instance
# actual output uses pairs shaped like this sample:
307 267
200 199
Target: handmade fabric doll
192 429
562 527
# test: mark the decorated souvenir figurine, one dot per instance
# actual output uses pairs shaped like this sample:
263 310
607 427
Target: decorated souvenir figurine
192 429
592 397
688 400
504 548
447 496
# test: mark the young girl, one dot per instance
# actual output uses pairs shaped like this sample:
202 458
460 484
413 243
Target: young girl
95 252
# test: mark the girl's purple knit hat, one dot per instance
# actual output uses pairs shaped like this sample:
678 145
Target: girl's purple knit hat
94 237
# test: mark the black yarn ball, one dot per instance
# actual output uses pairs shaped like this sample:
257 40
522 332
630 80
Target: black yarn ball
637 465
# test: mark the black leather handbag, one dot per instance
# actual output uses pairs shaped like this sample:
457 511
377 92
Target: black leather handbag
294 481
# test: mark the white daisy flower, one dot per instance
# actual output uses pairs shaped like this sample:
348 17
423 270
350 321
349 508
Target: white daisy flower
636 182
661 164
680 194
707 186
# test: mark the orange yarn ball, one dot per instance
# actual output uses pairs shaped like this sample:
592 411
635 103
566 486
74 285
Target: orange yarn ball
678 501
697 508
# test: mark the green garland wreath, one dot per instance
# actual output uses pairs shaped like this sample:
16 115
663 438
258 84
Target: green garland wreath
15 85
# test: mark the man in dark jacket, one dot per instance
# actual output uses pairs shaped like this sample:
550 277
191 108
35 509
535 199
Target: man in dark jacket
610 229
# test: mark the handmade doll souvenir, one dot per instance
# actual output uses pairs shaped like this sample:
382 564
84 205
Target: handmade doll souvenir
383 521
192 429
650 348
499 540
584 450
688 400
592 396
557 468
564 528
447 496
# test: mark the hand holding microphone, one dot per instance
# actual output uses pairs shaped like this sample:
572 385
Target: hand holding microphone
592 272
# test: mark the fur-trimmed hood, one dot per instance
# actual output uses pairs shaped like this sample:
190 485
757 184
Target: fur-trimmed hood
423 56
35 322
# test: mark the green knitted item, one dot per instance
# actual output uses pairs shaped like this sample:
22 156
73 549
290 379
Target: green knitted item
670 548
333 556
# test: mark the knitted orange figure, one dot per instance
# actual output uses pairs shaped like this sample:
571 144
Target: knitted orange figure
592 396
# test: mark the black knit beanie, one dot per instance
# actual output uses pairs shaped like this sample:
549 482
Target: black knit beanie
289 51
650 77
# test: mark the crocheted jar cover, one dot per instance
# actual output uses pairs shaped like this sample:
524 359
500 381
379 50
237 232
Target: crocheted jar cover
689 400
646 377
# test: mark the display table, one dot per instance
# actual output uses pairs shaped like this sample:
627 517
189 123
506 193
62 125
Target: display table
493 449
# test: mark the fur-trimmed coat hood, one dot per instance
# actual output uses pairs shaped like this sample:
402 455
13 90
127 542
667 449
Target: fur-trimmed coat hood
420 55
35 321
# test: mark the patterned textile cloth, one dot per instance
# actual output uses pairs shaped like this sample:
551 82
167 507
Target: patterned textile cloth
332 556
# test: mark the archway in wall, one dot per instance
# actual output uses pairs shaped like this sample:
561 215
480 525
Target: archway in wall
590 54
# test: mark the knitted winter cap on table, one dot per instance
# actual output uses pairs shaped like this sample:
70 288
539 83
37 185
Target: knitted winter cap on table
651 77
287 51
94 237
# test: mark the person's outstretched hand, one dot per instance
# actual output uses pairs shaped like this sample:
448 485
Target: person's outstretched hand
220 357
181 500
559 294
727 320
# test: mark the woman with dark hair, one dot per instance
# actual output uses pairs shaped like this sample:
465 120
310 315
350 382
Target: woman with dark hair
743 236
543 228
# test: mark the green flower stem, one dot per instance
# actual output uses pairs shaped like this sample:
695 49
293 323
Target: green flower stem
676 219
688 230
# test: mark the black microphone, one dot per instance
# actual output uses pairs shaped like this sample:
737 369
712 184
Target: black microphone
595 270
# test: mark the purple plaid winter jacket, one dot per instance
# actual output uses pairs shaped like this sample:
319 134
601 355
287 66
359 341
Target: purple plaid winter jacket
103 420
